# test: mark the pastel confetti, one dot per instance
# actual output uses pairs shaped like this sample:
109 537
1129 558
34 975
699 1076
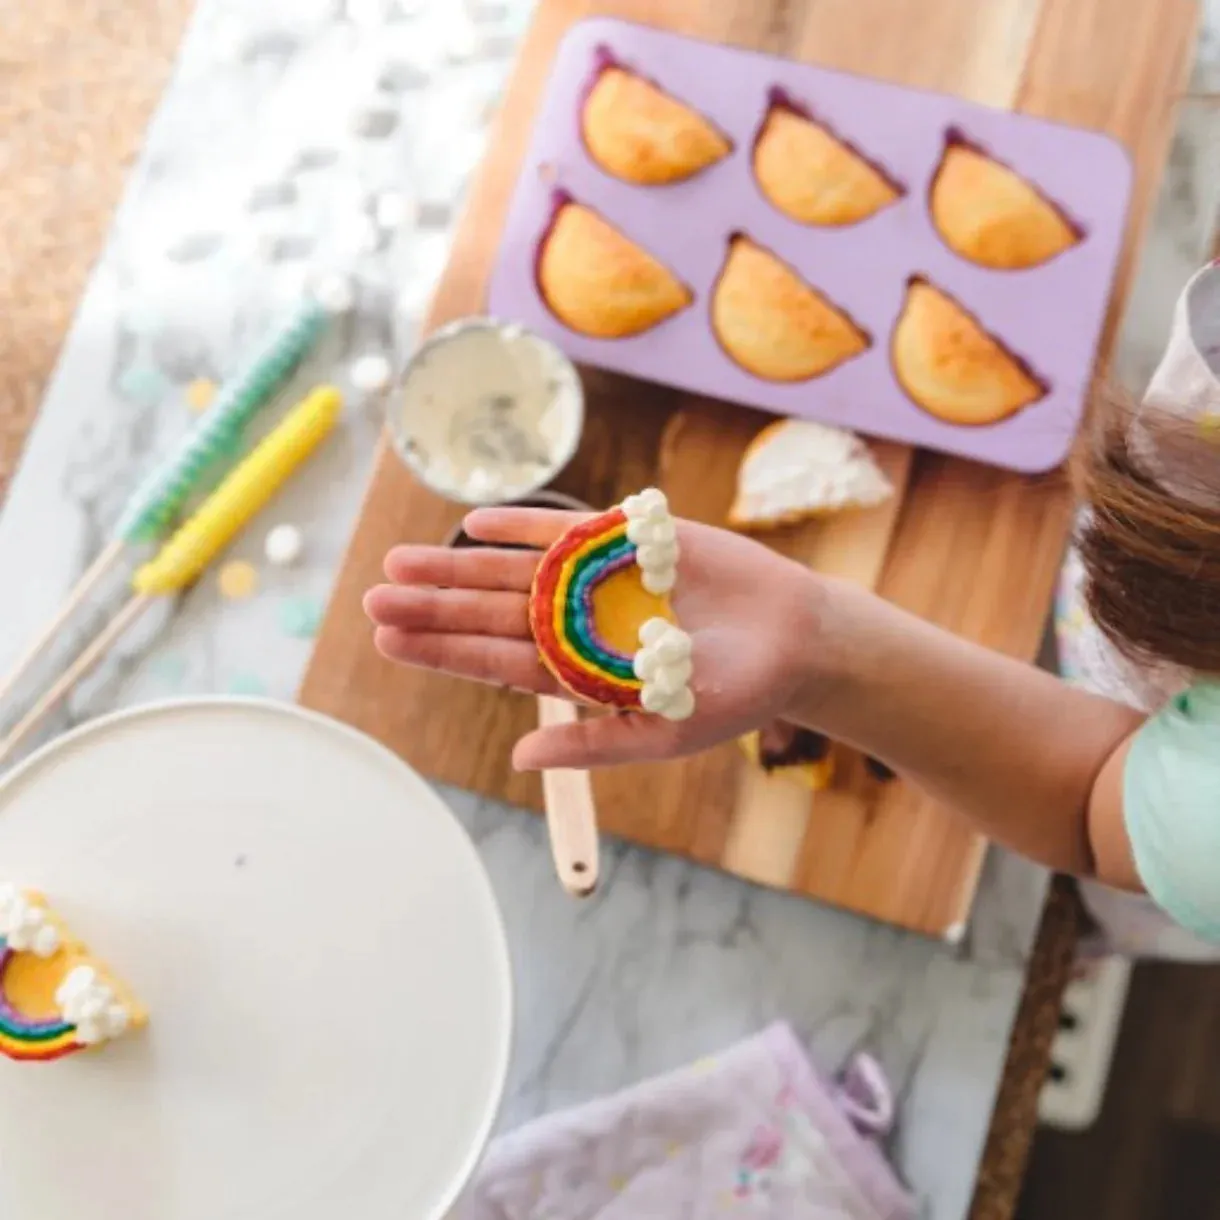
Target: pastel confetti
170 669
237 580
248 685
143 384
200 393
301 618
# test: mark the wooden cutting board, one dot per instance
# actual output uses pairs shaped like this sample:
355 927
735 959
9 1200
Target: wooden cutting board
972 549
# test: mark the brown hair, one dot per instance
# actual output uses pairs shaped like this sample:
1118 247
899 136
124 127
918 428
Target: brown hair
1151 555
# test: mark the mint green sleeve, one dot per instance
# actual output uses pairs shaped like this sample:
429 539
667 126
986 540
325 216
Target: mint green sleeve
1171 806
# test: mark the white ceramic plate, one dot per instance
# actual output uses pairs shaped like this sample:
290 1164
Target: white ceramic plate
320 952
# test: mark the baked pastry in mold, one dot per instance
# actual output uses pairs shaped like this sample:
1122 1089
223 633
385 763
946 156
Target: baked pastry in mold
951 367
56 998
813 177
636 131
794 753
989 214
775 325
600 613
795 469
599 282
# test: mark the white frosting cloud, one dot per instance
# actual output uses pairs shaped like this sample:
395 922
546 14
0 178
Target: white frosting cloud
663 665
26 927
655 534
91 1005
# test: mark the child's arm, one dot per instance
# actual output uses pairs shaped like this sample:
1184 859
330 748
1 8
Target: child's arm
1034 763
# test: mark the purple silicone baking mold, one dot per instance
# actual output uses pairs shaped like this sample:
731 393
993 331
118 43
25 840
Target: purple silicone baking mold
1049 316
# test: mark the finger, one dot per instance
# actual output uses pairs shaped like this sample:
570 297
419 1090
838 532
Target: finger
512 663
461 568
449 611
537 527
599 742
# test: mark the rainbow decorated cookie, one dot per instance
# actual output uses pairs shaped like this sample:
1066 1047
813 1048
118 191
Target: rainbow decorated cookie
55 997
600 611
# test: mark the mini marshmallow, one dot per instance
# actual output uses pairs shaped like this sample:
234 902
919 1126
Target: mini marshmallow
371 373
360 234
392 209
335 293
283 546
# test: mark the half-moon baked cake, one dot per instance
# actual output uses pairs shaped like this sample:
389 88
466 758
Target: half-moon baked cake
775 325
636 131
812 176
989 214
951 367
599 282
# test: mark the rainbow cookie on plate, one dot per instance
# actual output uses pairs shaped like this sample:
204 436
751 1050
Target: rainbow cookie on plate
55 997
600 611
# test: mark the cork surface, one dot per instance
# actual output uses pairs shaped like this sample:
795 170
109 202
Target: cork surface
80 83
77 99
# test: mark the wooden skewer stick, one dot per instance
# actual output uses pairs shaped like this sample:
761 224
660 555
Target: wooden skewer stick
84 586
97 649
571 815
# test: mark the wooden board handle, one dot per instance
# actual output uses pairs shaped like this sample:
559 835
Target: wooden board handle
571 816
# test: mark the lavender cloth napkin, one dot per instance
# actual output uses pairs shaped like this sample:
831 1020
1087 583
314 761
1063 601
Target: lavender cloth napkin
751 1132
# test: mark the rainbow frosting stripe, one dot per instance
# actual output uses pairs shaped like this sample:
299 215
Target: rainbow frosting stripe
25 1039
638 540
561 610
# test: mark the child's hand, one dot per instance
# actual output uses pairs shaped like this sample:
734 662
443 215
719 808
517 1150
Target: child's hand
753 617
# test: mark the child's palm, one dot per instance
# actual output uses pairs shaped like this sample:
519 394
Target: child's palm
465 612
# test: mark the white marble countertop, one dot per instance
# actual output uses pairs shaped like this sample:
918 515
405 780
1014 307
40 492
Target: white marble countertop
669 961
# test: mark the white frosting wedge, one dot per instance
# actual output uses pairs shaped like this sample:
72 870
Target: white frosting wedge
795 469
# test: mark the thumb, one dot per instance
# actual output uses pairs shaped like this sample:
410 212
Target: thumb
603 741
